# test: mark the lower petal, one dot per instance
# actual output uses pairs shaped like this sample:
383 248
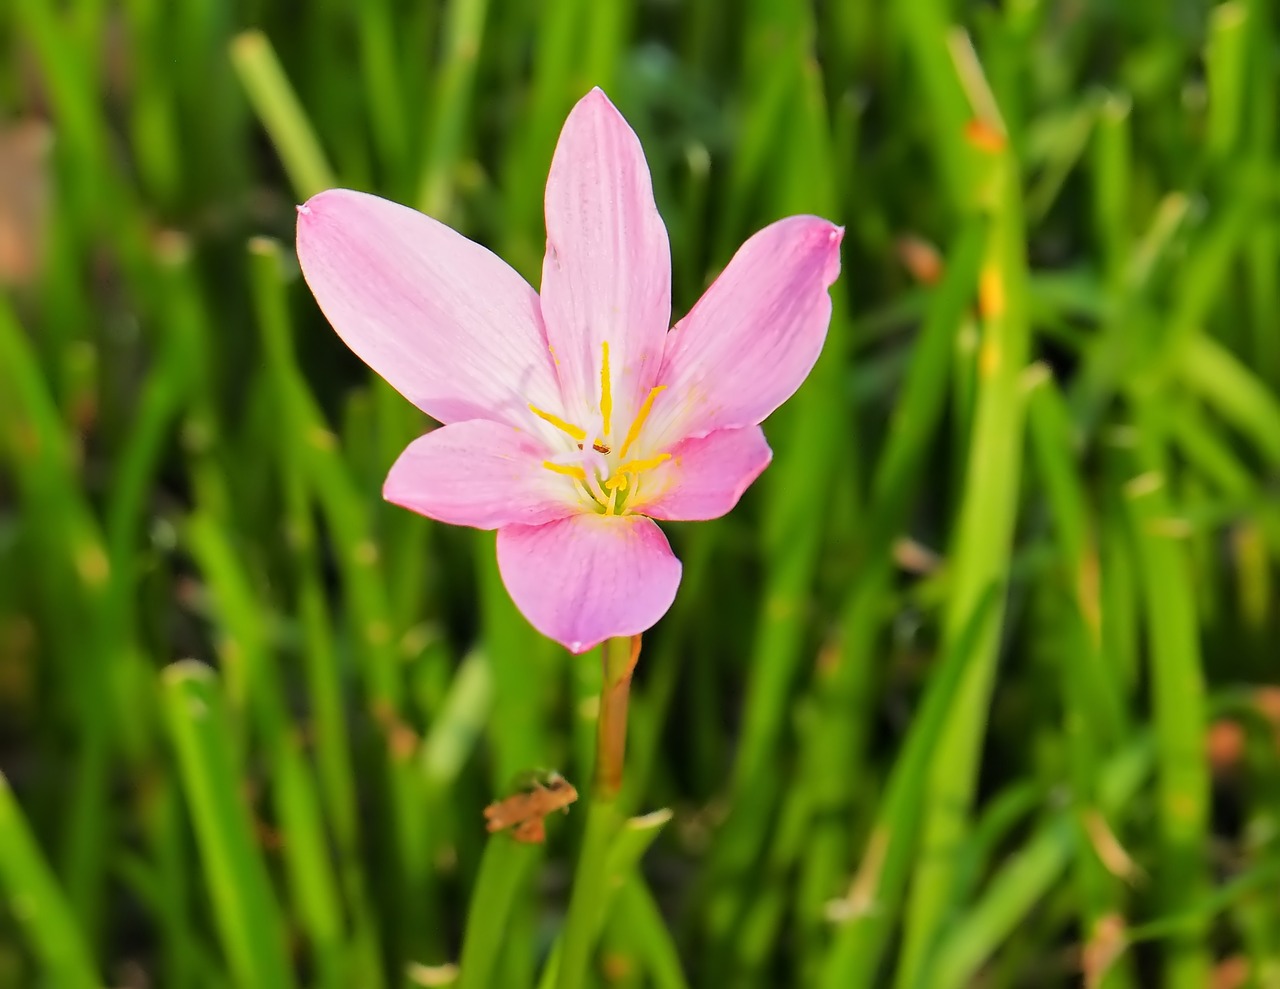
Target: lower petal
705 477
589 577
479 473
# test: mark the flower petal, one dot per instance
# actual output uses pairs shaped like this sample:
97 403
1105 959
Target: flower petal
479 473
753 337
446 322
607 272
589 577
705 477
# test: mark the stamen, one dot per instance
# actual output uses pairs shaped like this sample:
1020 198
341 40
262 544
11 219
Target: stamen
638 466
577 432
612 507
568 470
606 390
618 482
645 408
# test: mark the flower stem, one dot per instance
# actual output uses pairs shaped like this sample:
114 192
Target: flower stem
582 926
619 660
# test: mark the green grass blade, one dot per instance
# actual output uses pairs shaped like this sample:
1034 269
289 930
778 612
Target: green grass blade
980 549
1028 876
865 915
1237 394
281 113
38 904
248 917
620 862
1178 703
503 869
455 91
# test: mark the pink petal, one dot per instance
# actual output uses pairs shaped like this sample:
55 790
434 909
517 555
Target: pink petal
705 477
446 322
754 335
589 577
479 473
607 272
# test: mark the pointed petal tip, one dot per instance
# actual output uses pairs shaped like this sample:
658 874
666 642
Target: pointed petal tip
317 205
811 230
833 234
596 100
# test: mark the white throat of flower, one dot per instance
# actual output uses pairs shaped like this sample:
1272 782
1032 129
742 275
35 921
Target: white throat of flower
606 481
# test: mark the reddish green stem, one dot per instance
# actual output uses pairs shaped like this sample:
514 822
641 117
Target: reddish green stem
618 660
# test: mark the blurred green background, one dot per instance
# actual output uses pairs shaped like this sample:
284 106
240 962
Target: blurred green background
978 686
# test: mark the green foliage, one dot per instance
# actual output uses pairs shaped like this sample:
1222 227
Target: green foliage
977 686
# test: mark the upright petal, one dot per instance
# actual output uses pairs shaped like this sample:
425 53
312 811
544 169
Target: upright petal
755 334
587 578
479 473
606 277
446 322
705 476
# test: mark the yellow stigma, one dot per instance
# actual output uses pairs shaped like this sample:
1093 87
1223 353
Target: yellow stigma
577 432
606 391
568 470
645 408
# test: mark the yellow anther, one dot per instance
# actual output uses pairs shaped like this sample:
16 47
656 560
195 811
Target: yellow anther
640 466
577 432
618 482
645 408
568 470
606 390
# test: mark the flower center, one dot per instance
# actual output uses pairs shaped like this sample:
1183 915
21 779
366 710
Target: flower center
605 478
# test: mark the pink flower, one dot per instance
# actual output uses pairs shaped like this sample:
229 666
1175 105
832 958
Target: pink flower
574 419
